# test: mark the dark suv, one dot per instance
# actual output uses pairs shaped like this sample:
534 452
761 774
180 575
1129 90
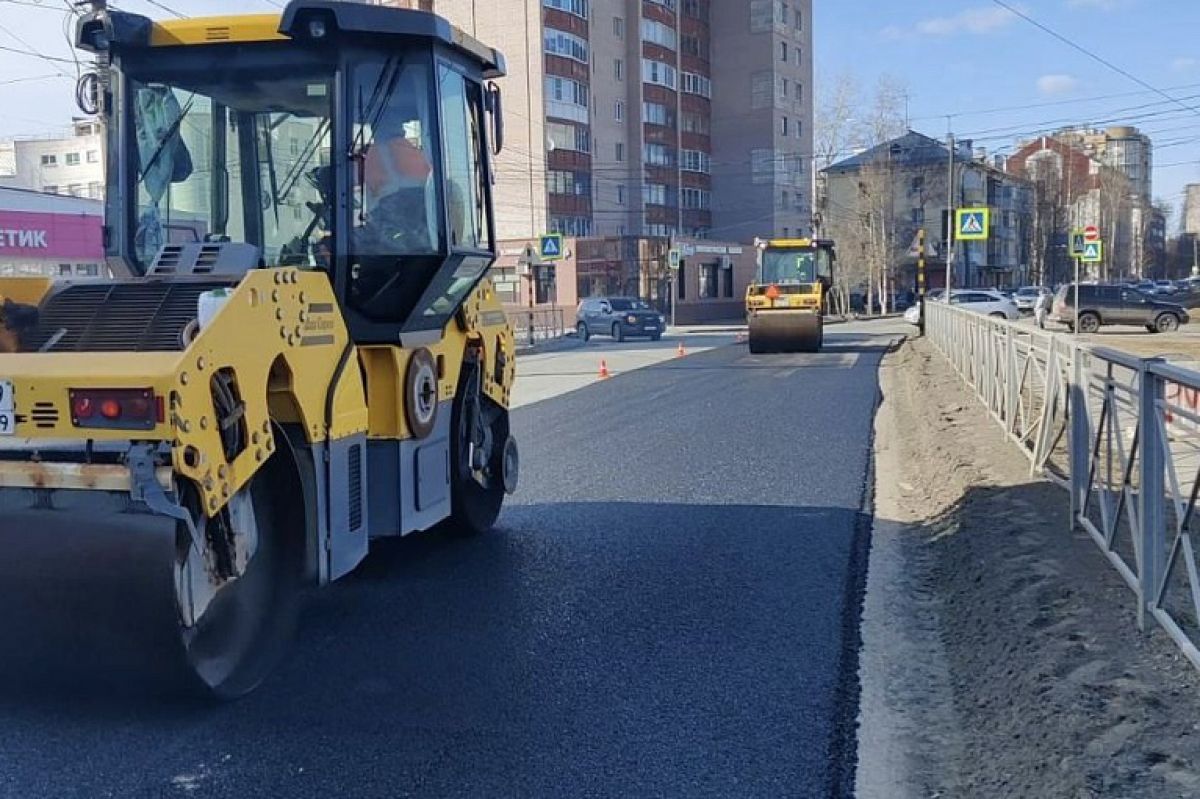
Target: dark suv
619 317
1116 305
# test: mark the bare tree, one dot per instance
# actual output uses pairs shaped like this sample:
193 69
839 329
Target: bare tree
1050 214
1115 207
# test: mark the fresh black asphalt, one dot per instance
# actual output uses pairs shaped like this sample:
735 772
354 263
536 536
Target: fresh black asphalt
668 608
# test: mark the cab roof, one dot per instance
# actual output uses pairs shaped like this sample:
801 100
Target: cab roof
112 29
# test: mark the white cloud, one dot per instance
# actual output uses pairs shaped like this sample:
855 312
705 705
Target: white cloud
1184 64
972 20
1057 84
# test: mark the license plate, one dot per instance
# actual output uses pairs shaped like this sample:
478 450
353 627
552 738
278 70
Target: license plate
782 302
8 409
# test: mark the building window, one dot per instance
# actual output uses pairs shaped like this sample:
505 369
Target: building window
49 160
782 12
694 46
658 155
571 225
95 190
695 199
64 269
568 137
75 189
619 152
93 156
799 20
697 9
695 123
50 188
694 161
657 114
658 73
786 231
619 27
799 92
577 7
783 55
88 270
655 194
73 159
727 278
681 280
655 32
697 84
568 99
783 126
565 44
620 194
619 110
708 280
618 69
762 166
785 199
570 183
668 4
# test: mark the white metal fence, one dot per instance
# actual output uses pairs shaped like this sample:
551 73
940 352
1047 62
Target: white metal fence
1120 433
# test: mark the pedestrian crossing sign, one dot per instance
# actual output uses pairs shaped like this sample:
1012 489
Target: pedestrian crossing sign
972 224
1093 252
1078 243
550 247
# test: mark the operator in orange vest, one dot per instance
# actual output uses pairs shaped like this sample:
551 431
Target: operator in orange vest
396 182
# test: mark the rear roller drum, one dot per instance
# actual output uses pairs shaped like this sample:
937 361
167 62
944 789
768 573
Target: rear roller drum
238 601
485 461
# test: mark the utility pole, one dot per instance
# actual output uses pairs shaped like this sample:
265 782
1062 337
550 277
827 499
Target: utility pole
950 222
921 279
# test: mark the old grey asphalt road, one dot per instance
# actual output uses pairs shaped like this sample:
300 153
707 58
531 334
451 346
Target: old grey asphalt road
662 613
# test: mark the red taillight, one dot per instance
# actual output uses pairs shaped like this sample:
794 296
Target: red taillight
82 408
116 408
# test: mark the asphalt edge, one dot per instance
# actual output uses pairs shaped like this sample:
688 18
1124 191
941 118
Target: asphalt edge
843 751
907 747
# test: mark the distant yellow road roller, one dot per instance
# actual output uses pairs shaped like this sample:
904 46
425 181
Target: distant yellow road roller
299 350
786 303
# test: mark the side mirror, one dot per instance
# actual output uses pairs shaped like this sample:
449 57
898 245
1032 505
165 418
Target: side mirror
496 109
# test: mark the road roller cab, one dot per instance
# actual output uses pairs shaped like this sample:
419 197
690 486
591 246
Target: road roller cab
299 350
790 294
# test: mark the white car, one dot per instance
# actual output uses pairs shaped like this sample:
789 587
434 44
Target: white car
1026 297
985 301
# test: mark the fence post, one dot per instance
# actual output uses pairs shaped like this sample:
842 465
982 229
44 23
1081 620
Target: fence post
1012 378
1079 436
1152 488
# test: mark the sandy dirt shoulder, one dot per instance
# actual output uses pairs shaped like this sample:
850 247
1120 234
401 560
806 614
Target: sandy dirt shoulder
1001 657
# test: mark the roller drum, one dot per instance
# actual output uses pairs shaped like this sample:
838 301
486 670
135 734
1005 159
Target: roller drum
785 331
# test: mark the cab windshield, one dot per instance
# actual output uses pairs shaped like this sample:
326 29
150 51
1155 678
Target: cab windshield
240 155
794 265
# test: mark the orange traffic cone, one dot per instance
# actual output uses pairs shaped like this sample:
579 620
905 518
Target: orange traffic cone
679 353
603 369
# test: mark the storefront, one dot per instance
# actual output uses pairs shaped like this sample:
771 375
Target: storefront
47 234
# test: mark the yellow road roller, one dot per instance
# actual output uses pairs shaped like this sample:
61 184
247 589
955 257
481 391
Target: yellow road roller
790 294
298 349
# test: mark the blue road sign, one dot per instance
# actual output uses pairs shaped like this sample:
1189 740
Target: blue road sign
551 247
973 224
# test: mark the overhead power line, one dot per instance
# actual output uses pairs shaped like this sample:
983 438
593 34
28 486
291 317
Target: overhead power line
1092 55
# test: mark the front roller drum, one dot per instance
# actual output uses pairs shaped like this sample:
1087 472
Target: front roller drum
785 331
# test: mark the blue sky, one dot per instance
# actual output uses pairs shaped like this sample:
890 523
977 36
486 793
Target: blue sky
960 58
966 58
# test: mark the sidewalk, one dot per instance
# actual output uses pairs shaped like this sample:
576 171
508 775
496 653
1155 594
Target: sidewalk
1001 657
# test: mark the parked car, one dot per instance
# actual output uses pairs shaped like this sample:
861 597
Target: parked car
1026 297
912 314
986 301
1164 287
619 317
1101 305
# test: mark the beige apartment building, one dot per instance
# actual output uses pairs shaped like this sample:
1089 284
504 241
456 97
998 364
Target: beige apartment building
655 118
